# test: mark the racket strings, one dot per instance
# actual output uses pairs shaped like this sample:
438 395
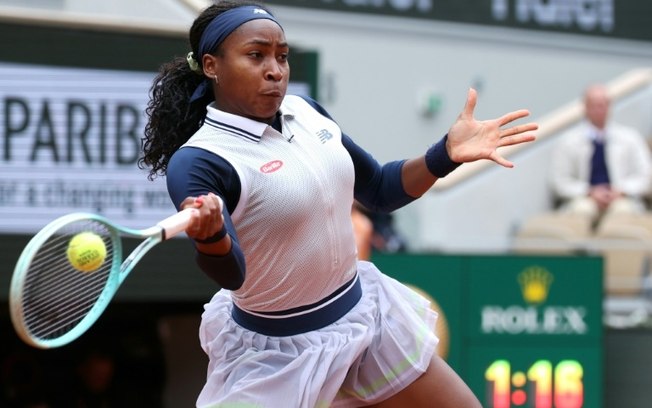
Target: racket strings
56 295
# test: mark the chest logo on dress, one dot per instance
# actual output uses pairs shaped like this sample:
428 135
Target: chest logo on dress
324 135
271 166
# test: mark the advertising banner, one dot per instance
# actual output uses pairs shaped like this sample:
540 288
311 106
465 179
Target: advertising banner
70 140
624 19
522 331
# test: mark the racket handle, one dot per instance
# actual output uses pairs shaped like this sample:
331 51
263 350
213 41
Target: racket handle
177 223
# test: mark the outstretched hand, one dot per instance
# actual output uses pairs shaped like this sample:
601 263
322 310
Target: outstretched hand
470 140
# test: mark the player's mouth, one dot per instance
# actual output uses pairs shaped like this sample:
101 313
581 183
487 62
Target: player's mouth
273 93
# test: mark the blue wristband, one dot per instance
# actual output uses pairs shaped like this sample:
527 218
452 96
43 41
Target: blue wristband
218 236
438 161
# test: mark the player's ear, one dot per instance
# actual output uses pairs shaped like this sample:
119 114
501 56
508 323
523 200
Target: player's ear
210 65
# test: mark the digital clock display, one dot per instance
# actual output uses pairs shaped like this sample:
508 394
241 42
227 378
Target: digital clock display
560 386
536 377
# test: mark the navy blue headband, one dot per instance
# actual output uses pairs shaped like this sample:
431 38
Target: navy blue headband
220 28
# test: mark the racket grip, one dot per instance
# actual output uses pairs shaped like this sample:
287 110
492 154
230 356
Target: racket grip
177 223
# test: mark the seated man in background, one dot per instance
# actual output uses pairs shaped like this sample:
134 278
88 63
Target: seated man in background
601 167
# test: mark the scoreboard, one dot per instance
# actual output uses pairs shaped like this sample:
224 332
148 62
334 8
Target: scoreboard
522 331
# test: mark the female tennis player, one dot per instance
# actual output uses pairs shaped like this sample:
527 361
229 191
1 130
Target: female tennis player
300 322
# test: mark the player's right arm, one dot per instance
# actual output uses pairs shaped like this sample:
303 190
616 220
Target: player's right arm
193 174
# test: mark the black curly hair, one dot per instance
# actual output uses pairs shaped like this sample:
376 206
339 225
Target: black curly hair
172 118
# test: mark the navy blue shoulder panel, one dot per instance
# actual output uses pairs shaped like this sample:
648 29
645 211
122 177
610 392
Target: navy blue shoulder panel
378 187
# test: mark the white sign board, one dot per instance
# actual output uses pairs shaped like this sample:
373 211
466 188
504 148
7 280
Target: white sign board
70 141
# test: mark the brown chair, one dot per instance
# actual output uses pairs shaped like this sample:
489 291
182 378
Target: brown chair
625 241
552 233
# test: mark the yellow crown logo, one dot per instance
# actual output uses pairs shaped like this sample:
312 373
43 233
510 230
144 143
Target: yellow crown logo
535 282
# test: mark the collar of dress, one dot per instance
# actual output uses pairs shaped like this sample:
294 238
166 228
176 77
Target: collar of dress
239 125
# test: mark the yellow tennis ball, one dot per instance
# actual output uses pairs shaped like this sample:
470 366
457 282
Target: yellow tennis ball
86 251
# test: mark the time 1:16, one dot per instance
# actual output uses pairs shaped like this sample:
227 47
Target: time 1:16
542 386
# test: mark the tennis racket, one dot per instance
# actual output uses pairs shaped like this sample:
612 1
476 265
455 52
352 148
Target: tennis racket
51 301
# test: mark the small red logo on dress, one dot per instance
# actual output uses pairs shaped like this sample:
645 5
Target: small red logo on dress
271 166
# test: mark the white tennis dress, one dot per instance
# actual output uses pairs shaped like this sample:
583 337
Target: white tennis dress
311 326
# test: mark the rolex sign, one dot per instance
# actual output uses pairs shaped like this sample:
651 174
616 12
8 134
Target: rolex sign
538 297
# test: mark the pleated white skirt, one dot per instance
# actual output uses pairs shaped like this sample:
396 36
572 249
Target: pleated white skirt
380 346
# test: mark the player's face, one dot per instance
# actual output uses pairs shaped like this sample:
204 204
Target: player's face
253 71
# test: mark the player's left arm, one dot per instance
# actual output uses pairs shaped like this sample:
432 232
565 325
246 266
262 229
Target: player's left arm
395 184
378 187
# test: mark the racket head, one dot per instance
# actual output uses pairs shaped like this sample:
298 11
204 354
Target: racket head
52 303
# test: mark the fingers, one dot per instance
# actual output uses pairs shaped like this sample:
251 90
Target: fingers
218 199
514 140
512 116
471 100
210 202
208 219
190 202
514 135
501 160
517 134
519 129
